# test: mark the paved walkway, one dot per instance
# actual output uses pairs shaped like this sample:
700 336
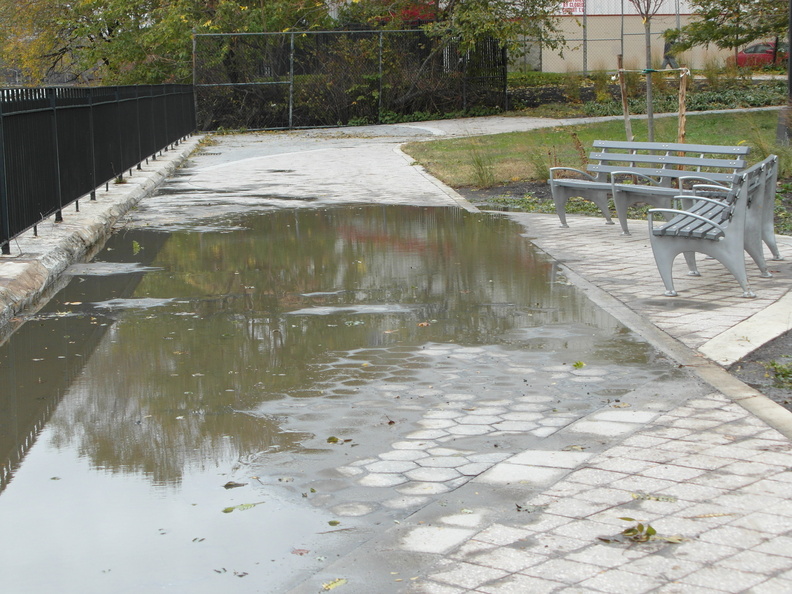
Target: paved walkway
707 462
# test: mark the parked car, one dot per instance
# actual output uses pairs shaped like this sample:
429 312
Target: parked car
761 54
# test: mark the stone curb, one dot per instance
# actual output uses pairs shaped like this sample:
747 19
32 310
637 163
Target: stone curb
37 263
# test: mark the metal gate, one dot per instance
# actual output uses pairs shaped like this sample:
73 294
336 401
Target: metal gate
261 81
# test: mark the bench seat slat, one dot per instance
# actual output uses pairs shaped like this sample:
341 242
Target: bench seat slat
672 146
668 160
665 173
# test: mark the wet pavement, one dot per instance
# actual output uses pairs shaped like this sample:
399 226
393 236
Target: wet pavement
508 466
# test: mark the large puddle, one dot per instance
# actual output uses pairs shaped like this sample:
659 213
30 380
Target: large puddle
266 352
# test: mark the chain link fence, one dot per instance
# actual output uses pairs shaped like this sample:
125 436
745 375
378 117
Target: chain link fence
312 79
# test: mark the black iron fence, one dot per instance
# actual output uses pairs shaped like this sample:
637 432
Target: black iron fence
260 81
60 143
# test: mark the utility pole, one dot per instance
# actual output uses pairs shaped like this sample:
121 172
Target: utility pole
784 130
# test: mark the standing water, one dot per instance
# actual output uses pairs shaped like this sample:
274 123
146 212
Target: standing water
176 418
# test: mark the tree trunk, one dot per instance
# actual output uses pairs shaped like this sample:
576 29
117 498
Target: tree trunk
649 105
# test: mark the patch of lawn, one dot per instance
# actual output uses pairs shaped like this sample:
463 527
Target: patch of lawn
519 156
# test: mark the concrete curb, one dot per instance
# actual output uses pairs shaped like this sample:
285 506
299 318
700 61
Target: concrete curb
37 263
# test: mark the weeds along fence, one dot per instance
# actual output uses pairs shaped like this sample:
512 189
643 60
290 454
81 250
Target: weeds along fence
58 144
260 81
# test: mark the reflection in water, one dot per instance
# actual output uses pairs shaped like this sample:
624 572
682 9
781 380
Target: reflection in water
220 323
174 363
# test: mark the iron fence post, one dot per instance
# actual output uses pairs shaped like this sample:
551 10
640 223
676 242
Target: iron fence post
291 79
137 128
52 92
92 134
5 211
379 98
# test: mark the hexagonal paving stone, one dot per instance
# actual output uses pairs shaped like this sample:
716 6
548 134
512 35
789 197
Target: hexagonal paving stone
530 407
426 434
391 466
352 510
478 420
443 414
521 416
535 398
449 452
470 430
487 411
383 480
443 461
455 397
420 488
433 475
412 445
405 502
436 423
349 470
403 455
515 426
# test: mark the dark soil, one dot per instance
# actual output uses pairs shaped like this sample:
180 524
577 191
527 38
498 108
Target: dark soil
483 197
755 369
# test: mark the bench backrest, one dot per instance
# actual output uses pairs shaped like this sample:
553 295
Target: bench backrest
668 160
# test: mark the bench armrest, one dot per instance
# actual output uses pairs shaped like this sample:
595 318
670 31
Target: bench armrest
583 173
702 199
684 199
651 180
674 211
704 178
712 188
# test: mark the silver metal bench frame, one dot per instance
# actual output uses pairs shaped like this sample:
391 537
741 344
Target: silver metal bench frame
656 187
723 229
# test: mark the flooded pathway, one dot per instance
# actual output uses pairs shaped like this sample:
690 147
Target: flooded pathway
235 397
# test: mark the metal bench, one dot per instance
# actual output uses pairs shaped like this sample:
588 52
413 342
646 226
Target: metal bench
721 228
657 171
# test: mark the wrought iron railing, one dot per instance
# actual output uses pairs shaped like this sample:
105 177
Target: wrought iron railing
58 144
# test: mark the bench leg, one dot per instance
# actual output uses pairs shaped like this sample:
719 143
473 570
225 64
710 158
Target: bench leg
601 200
690 259
562 195
768 235
620 202
755 249
560 198
738 270
664 258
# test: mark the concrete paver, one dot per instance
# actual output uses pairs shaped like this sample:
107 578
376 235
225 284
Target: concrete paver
707 466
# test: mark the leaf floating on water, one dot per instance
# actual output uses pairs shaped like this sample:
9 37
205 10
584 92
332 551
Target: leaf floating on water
241 507
233 485
577 448
334 584
334 522
300 552
529 508
332 439
621 405
648 497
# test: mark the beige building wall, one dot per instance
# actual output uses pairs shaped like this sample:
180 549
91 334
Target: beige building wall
603 43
